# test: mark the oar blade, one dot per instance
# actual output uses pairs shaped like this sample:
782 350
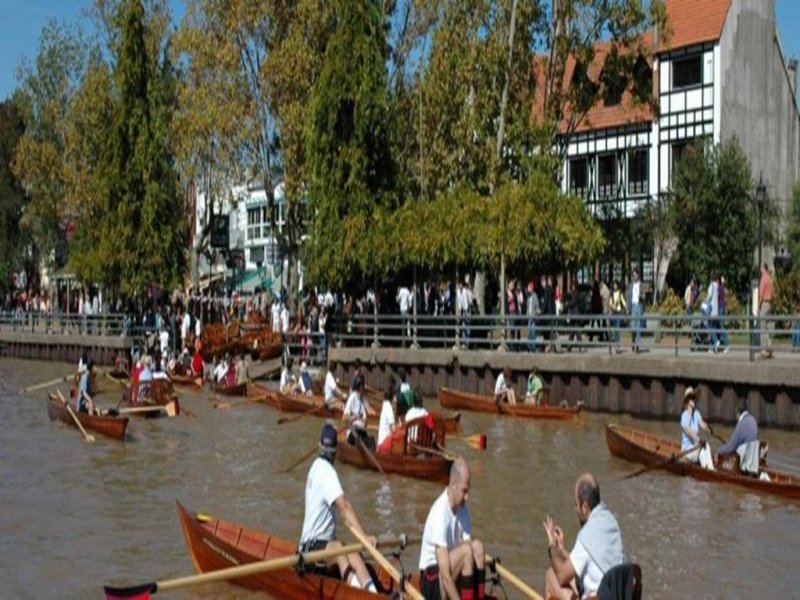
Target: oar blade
136 592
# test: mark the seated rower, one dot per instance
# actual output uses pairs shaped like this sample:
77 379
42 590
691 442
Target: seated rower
744 435
598 547
198 366
242 371
83 401
405 395
288 381
452 564
324 494
390 429
143 388
504 389
220 370
691 424
306 384
533 395
355 415
334 397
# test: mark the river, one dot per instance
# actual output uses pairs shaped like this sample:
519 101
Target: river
76 516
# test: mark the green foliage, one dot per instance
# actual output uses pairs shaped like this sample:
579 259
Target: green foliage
12 196
793 237
351 169
715 213
786 296
672 306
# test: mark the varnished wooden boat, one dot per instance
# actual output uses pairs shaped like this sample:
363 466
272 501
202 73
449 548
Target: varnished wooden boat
118 374
233 390
646 448
185 379
259 393
419 456
454 399
113 427
215 544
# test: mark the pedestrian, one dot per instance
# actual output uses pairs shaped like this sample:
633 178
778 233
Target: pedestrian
636 305
618 308
532 311
764 311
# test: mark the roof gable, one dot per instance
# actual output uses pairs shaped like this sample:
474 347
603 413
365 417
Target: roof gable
694 22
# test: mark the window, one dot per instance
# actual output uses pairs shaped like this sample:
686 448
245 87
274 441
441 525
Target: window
578 177
256 220
613 79
607 176
637 172
687 72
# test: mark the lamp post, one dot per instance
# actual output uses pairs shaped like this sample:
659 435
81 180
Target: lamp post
761 198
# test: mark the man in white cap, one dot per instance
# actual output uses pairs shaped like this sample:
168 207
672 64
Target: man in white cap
695 448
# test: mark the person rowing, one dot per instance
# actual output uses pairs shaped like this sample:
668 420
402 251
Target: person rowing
355 415
452 563
695 448
306 383
288 381
598 547
504 389
533 395
390 425
323 494
334 397
743 442
83 401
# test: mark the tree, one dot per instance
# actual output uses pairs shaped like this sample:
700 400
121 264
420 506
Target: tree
12 196
715 213
793 236
351 171
46 89
658 224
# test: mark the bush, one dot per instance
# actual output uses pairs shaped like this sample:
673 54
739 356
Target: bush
786 296
670 306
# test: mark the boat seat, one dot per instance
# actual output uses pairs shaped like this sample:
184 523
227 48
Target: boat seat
418 435
623 582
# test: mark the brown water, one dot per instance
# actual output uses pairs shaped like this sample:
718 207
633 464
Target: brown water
77 515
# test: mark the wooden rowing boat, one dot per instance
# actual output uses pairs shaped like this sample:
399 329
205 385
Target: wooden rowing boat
420 455
259 393
118 374
215 544
109 426
186 379
454 399
230 390
646 448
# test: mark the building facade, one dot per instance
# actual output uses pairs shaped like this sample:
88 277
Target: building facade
721 74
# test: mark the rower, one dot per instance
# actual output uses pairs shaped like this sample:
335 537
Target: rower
288 382
84 402
389 426
306 385
220 369
355 415
242 371
323 494
334 397
503 389
598 547
533 395
198 366
405 395
452 564
743 441
691 424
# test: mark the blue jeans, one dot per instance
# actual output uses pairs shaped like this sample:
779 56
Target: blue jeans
617 321
795 334
636 324
531 335
723 333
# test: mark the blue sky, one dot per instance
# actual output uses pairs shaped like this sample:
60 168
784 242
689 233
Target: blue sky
21 22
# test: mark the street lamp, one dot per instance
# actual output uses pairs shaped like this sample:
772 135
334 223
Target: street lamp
761 199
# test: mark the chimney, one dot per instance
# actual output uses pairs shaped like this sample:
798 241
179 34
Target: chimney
792 67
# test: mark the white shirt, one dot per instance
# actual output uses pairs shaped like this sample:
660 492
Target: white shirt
164 341
586 570
276 317
443 529
220 371
404 297
464 300
386 421
330 388
185 324
355 408
501 384
198 327
285 320
322 491
286 378
635 292
415 412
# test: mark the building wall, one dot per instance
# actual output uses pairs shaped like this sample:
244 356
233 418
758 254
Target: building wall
758 106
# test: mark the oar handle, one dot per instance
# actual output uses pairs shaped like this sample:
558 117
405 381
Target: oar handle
88 437
387 566
523 587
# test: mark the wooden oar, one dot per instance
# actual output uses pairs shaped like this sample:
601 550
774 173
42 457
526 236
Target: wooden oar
523 587
375 462
663 463
435 451
169 408
476 440
39 386
308 454
87 436
284 562
293 418
387 566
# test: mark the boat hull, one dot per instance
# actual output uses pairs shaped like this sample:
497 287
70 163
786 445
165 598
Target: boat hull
215 544
112 427
641 447
456 400
234 390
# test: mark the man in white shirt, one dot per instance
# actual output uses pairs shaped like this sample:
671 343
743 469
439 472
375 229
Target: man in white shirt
186 323
450 560
323 494
284 321
220 370
404 299
504 388
598 547
288 381
463 306
276 316
355 415
635 301
334 397
163 341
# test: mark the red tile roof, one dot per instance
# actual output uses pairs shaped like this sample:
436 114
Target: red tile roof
691 22
694 21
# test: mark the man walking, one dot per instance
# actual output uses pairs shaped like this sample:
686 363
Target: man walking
635 302
764 311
